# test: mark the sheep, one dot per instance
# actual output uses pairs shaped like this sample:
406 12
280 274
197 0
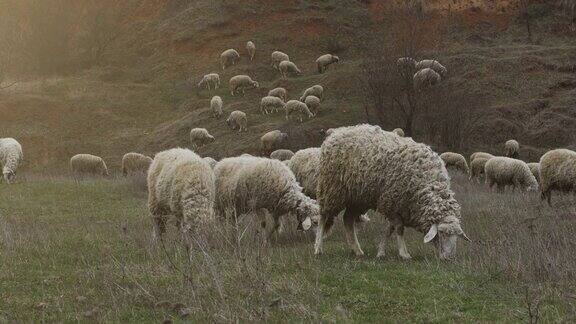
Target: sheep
88 164
281 155
557 172
242 83
325 60
211 162
210 81
270 104
313 104
135 163
297 107
278 57
504 171
229 57
434 65
363 167
278 92
426 78
180 184
399 132
477 167
216 106
455 160
200 137
271 141
237 120
260 185
477 155
251 49
512 148
288 68
316 90
535 169
10 158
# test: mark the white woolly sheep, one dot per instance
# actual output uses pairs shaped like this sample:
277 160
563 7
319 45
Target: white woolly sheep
10 158
251 49
504 171
535 169
278 57
557 172
313 104
325 60
135 163
210 81
200 137
316 90
238 120
229 57
211 162
282 155
477 167
272 141
216 104
287 68
242 83
426 78
299 108
88 164
180 184
278 92
399 132
434 65
484 155
512 148
364 167
455 160
270 104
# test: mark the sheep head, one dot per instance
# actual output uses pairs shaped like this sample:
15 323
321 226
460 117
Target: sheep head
445 235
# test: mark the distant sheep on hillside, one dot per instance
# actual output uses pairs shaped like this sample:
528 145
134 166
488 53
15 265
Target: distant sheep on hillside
88 164
200 137
229 57
298 108
210 81
455 160
503 171
512 149
216 106
251 49
241 83
557 172
278 57
281 155
434 65
279 92
288 68
270 104
135 163
10 158
316 90
238 120
272 141
325 60
313 104
425 79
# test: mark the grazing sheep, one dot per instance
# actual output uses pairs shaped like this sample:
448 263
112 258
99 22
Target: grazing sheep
297 107
135 163
483 155
363 167
512 148
455 160
211 162
278 57
325 60
88 164
504 171
477 167
180 184
535 169
242 83
313 104
200 137
399 132
270 104
426 78
10 158
237 120
278 92
281 155
216 104
434 65
316 90
210 81
251 49
287 68
229 57
557 172
272 141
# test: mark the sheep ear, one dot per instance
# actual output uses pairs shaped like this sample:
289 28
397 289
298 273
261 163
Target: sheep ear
431 233
464 236
307 223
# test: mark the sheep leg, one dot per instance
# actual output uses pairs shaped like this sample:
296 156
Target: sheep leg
274 228
350 225
158 227
323 227
402 250
382 245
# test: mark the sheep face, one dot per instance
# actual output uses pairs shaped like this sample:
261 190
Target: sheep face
255 84
307 215
445 235
335 59
9 176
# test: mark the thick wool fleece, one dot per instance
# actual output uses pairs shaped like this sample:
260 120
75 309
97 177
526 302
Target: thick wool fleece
88 164
135 162
504 171
558 171
455 160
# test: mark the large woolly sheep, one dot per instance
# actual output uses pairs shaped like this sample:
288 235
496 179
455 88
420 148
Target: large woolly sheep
241 83
434 65
10 158
287 68
210 81
200 137
238 120
363 167
251 49
278 57
88 164
535 169
279 92
313 103
299 108
557 172
133 163
484 155
426 78
399 132
455 160
512 148
229 57
216 104
503 171
477 166
270 104
325 60
180 184
282 155
272 141
316 90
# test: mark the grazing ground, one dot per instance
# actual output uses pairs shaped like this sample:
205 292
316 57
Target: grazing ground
81 251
